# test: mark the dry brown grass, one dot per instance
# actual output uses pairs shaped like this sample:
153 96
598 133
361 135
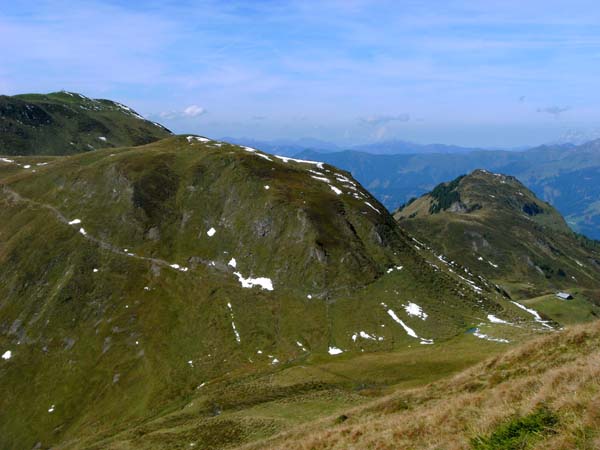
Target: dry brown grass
561 371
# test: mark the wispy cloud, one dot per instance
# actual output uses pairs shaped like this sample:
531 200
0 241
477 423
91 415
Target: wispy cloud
188 112
384 119
554 110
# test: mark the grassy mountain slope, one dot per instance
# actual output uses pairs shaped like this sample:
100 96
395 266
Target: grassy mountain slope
63 123
494 225
541 395
134 280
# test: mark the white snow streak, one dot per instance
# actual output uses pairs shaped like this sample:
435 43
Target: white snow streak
480 335
408 330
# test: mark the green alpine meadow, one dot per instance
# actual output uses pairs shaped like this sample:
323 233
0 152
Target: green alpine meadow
299 225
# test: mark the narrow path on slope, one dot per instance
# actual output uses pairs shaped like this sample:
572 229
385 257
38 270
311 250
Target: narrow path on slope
18 198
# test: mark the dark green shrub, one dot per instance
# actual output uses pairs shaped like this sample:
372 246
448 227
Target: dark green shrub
445 195
519 433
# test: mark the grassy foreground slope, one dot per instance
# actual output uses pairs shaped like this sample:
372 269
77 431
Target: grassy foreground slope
138 281
63 123
496 226
544 394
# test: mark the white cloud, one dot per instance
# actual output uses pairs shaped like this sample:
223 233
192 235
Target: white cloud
193 111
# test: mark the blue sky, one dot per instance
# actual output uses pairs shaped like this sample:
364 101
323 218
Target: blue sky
485 73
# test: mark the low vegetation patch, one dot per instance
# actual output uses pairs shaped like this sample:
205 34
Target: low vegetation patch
519 432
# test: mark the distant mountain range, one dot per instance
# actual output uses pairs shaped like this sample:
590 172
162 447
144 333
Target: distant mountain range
290 147
566 175
286 147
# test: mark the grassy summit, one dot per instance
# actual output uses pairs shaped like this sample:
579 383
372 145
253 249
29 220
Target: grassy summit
63 123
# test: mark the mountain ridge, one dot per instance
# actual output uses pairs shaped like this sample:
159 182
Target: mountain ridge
493 223
64 122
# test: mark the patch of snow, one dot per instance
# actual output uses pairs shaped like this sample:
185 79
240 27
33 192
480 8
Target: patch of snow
263 156
51 409
471 283
75 222
191 363
325 180
495 319
267 187
232 262
286 159
334 189
7 355
26 166
82 231
364 335
275 361
95 270
102 138
408 330
412 309
309 296
372 207
211 232
6 160
235 331
197 138
480 335
534 313
175 266
335 351
264 283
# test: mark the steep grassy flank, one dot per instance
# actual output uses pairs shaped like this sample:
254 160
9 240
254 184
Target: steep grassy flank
133 276
497 227
542 395
63 123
